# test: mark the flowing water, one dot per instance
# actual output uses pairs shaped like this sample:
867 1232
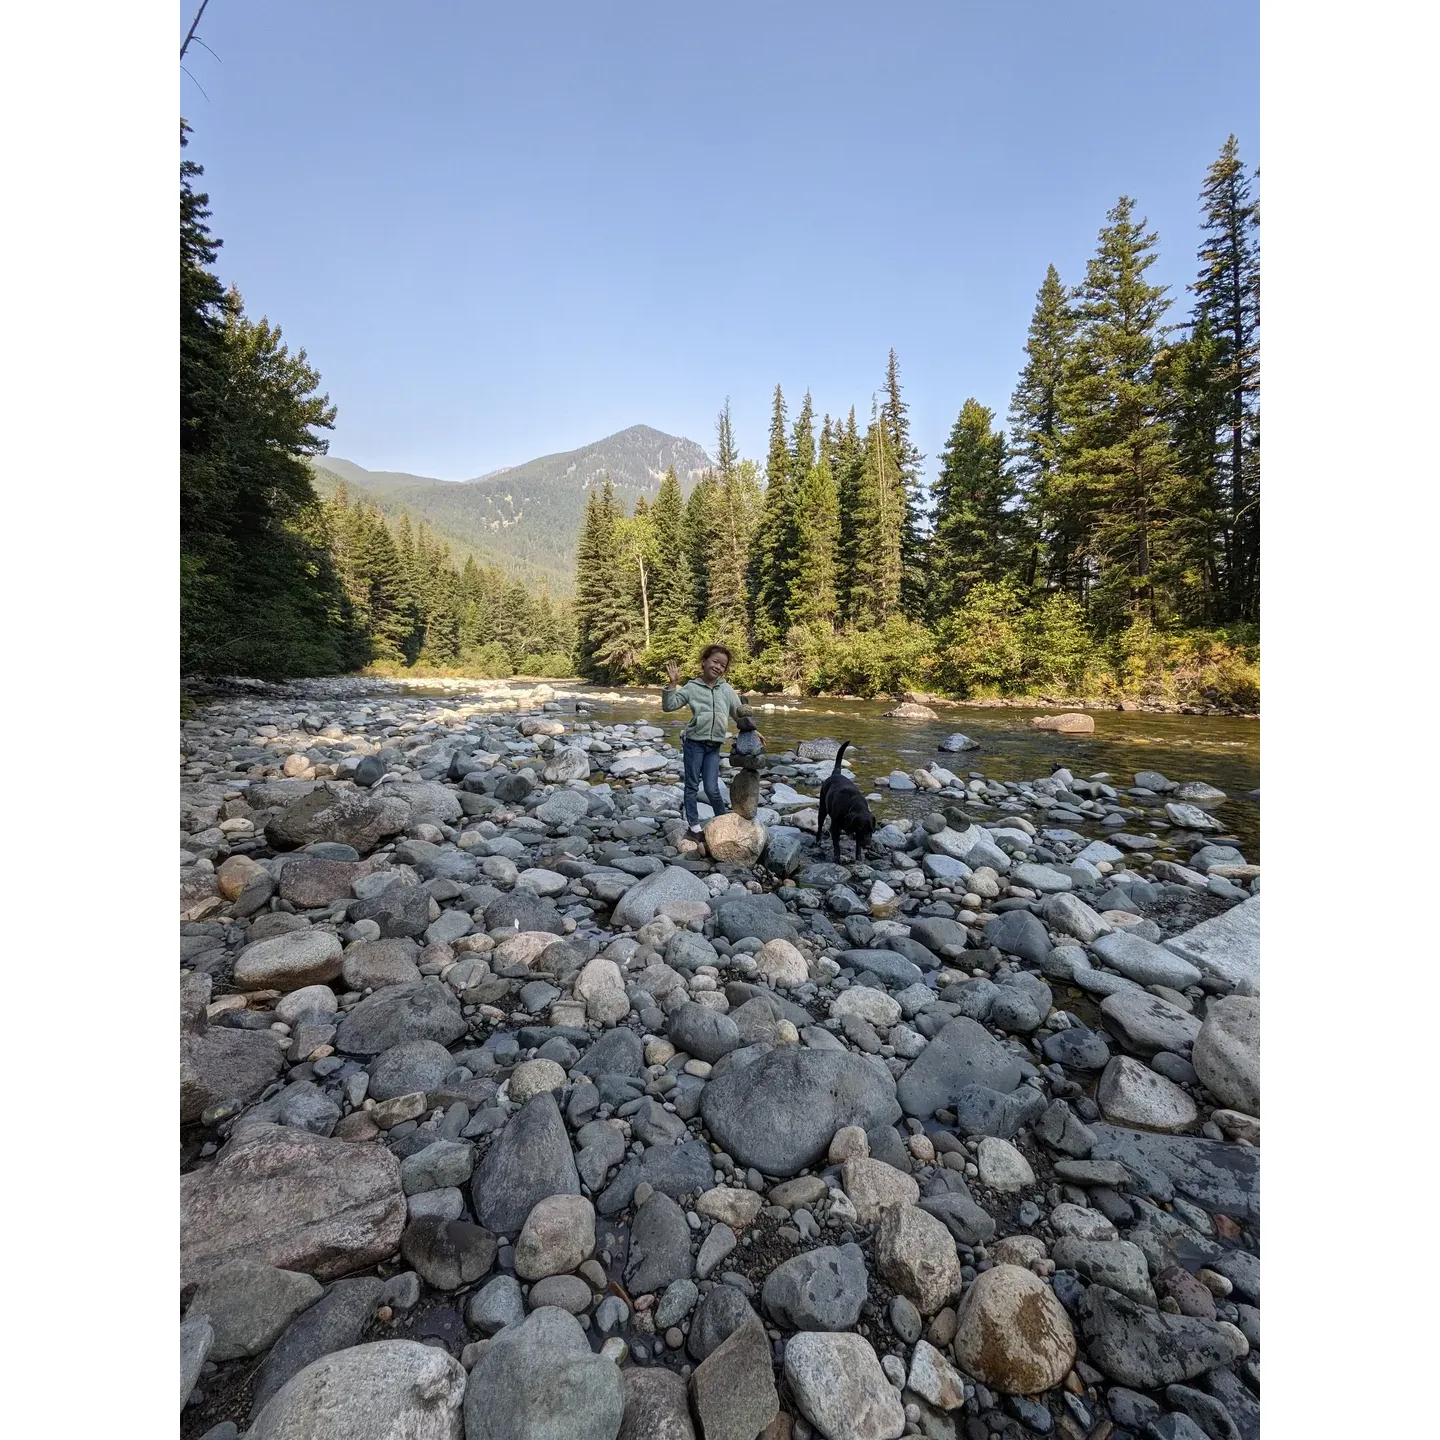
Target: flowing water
1223 750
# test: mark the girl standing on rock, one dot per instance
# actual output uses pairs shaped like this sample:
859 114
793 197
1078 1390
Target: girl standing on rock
712 704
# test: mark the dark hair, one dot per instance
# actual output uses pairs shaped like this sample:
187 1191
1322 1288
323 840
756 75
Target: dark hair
710 650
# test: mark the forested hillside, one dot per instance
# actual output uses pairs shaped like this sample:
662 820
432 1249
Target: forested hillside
525 518
1103 539
273 581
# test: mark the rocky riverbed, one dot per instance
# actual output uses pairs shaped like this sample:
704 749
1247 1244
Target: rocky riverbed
509 1110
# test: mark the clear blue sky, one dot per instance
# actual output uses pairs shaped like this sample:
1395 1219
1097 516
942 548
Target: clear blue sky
502 231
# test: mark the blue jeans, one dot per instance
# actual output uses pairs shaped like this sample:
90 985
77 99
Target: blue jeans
702 763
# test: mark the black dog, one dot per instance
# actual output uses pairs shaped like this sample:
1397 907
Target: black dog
842 804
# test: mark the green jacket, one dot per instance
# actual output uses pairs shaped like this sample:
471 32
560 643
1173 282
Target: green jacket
711 708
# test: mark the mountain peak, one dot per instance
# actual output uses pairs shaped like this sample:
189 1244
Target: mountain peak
526 518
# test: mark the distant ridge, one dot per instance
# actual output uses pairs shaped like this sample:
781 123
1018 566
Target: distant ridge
525 518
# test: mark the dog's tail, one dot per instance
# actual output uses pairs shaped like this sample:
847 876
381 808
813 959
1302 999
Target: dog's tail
839 756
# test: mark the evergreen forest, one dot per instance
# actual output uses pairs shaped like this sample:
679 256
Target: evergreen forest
275 582
1101 540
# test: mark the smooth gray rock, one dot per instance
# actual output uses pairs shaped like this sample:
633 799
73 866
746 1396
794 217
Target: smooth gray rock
196 1337
680 1171
659 1246
350 817
963 1053
1226 947
1221 1178
969 1222
648 895
448 1254
656 1405
1115 1263
1145 1023
982 1111
759 917
886 965
1226 1053
840 1388
703 1032
616 1052
1018 932
379 1391
720 1314
529 1160
496 1304
818 1290
249 1304
780 1113
335 1322
733 1388
1146 1348
540 1380
404 1069
1133 1094
400 1013
1144 963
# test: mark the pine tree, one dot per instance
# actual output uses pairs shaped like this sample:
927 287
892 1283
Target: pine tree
599 608
1035 435
817 524
673 585
773 556
879 531
1227 302
735 510
849 467
975 525
699 541
895 414
1116 462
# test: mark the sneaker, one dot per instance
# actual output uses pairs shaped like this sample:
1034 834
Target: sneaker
697 829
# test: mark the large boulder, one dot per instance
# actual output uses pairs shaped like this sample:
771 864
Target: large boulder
249 1304
224 1064
357 818
1018 932
733 1388
840 1388
527 1162
540 1380
656 1405
289 962
1146 1024
429 802
282 1196
399 1013
334 1322
780 1112
963 1053
1073 722
1146 1348
1227 947
1011 1332
653 892
819 1289
915 1255
732 839
1143 962
381 1391
1226 1054
1134 1094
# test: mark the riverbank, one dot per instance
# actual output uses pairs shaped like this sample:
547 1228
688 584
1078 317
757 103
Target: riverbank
481 1050
575 686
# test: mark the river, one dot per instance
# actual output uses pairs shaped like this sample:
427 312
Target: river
1223 750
